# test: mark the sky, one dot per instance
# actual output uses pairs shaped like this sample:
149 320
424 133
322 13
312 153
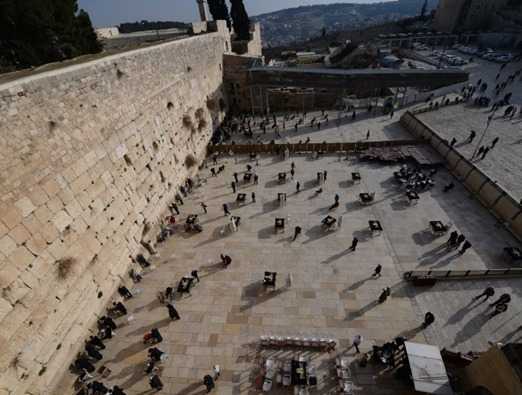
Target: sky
113 12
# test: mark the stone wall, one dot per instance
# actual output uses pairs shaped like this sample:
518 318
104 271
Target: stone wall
88 155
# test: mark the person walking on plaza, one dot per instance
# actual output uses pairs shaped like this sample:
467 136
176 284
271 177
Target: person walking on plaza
297 232
297 187
336 202
226 260
488 293
292 173
325 175
465 247
233 185
429 319
479 152
256 179
204 207
175 207
173 313
368 135
194 274
208 381
499 309
384 294
504 299
471 137
453 141
236 179
253 197
225 209
486 150
355 241
377 271
460 240
357 340
452 239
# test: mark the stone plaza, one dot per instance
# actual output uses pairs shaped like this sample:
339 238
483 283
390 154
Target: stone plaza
332 292
93 156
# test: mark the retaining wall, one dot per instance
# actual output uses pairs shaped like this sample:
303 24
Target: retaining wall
89 155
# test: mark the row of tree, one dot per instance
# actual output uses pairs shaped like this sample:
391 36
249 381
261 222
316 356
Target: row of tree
240 20
34 32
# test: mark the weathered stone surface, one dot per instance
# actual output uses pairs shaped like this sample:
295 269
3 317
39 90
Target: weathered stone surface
82 152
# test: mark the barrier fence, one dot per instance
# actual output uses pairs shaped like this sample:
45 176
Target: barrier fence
460 274
310 147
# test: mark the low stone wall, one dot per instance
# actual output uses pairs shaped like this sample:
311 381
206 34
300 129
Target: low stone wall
496 199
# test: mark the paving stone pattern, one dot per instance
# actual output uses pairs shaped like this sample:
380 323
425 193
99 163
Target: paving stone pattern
332 292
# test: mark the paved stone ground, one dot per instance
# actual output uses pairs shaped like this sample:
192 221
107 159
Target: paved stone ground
381 128
332 293
503 163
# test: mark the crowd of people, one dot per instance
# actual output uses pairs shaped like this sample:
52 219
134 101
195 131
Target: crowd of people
89 379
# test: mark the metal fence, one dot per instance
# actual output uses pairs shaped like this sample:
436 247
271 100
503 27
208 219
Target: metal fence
460 274
310 147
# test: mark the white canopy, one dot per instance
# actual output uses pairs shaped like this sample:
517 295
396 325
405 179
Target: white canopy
427 368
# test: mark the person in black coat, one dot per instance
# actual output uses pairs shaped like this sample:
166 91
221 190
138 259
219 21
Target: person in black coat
93 352
96 341
173 313
117 391
82 363
155 382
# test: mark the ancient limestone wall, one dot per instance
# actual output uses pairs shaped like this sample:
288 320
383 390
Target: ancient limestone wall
88 154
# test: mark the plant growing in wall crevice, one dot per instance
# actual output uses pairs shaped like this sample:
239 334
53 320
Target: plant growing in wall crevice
187 121
65 267
190 161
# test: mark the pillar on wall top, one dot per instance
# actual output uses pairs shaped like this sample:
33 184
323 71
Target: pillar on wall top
202 10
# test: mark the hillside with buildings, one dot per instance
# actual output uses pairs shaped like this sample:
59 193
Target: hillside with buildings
303 23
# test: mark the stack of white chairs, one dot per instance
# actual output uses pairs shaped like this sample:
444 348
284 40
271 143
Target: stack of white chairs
297 341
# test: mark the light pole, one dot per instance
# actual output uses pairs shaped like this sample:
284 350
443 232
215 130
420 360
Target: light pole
490 118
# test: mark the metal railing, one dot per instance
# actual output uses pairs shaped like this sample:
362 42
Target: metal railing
461 274
310 147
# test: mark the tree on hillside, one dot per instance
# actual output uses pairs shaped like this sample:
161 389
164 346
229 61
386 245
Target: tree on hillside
34 32
424 8
219 11
240 20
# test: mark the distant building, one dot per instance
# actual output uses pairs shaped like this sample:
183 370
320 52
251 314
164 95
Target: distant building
107 32
464 15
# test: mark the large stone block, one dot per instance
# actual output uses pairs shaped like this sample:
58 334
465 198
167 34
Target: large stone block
19 234
7 245
10 215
